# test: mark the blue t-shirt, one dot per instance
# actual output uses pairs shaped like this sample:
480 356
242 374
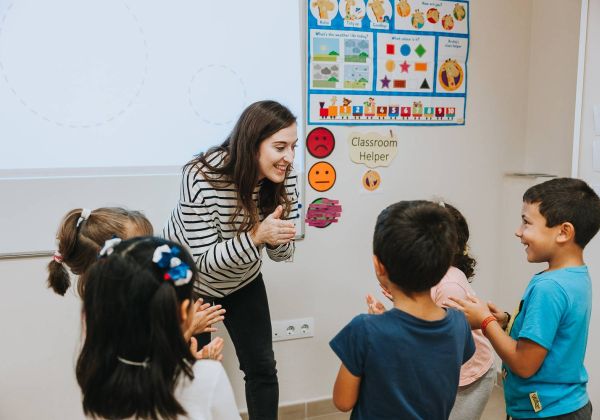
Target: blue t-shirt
409 367
554 313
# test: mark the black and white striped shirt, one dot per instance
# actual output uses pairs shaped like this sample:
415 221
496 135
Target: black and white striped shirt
201 222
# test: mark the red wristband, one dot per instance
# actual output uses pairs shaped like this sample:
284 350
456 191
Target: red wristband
486 322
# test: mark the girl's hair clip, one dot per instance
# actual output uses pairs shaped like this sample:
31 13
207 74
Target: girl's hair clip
85 214
442 204
109 247
176 270
57 257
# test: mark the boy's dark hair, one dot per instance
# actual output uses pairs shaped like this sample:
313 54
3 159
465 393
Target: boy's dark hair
416 243
131 312
568 200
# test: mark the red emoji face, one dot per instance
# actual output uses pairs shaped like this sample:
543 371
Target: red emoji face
320 142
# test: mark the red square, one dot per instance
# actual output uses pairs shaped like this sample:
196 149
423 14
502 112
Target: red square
390 49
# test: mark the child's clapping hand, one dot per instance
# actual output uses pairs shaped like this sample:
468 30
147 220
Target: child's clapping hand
211 351
205 316
374 306
475 310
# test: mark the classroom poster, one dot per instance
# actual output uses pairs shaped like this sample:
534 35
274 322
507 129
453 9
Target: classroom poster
387 62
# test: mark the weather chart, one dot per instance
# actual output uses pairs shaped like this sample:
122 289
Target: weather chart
387 62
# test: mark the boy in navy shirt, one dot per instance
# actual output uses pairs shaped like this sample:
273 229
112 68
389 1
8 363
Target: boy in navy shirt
544 346
405 363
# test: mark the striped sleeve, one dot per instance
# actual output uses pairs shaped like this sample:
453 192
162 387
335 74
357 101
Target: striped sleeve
224 264
285 251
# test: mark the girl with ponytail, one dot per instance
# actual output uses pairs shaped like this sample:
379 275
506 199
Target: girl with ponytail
81 235
135 361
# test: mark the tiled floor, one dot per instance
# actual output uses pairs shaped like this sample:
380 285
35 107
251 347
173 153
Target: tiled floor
493 411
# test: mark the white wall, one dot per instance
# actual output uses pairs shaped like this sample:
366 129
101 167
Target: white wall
591 97
551 85
332 270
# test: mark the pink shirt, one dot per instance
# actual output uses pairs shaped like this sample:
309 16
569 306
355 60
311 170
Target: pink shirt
455 283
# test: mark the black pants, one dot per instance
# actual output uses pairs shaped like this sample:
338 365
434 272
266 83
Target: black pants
584 413
248 323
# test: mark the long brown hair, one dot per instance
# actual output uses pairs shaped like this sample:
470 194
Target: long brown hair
79 245
239 165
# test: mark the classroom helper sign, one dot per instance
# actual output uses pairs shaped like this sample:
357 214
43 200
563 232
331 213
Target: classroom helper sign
372 149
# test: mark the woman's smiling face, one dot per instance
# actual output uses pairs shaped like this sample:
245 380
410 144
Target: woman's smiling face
276 154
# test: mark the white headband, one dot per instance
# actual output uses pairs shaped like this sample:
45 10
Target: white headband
85 213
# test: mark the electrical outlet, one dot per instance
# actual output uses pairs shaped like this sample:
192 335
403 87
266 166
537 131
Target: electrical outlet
292 329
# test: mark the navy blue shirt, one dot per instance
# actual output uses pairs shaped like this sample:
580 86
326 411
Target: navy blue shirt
409 367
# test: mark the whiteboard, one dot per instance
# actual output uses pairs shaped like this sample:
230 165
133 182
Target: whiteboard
103 101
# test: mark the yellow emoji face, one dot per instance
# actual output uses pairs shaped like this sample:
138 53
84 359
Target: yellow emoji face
321 176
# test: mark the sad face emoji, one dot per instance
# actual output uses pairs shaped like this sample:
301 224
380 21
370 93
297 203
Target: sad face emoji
321 176
320 142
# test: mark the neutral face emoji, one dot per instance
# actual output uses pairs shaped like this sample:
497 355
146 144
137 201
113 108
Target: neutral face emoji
320 142
321 176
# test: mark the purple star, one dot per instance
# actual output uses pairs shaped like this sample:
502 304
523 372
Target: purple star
385 82
404 67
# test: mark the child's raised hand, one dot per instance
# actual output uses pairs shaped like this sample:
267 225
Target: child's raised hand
475 310
501 316
205 316
375 306
211 351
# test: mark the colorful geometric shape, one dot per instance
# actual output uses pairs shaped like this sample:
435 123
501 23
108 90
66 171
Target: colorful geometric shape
390 49
399 84
425 85
420 66
404 67
405 50
385 82
420 50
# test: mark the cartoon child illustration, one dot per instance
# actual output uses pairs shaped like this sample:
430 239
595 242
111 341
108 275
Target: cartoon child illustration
417 20
459 12
324 6
447 22
403 8
433 15
451 75
378 10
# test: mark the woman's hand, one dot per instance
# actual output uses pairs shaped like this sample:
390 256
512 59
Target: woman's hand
211 351
475 310
273 231
205 316
375 306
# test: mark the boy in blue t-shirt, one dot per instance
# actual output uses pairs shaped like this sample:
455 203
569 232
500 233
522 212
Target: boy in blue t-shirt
405 363
544 348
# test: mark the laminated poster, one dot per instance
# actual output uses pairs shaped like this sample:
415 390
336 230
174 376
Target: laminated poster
387 62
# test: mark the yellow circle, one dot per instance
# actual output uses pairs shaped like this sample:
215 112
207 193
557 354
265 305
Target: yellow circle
390 65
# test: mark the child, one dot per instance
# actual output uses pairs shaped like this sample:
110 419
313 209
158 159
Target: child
135 361
477 376
81 235
405 363
543 348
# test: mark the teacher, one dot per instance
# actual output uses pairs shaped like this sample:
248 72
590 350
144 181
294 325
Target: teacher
237 199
